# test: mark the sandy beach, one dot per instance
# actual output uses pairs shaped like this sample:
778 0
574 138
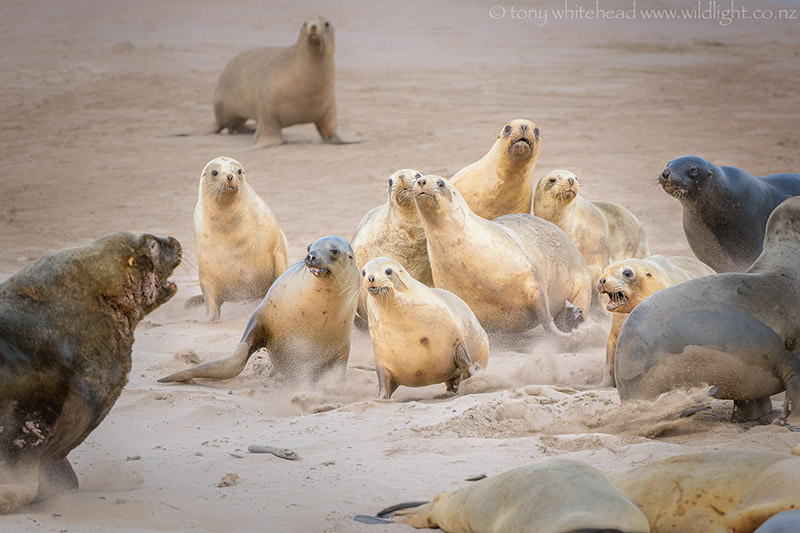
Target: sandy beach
92 93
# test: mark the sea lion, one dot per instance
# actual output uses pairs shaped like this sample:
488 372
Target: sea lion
420 335
240 248
514 272
722 490
394 230
66 333
604 232
725 209
783 522
279 87
501 182
304 321
735 331
557 495
627 283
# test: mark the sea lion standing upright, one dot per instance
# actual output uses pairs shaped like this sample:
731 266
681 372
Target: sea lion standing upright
420 335
515 272
627 283
394 230
304 321
240 248
501 182
738 332
604 232
725 209
279 87
66 333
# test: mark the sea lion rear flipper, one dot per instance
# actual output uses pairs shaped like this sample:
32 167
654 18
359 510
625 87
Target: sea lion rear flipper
56 477
255 336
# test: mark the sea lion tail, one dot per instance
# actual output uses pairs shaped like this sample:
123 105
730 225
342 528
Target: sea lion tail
224 368
194 301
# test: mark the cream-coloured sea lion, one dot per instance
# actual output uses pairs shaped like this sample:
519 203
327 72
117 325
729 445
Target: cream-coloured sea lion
420 335
394 230
66 333
736 331
714 491
240 249
501 182
304 321
556 496
627 283
514 272
279 87
604 232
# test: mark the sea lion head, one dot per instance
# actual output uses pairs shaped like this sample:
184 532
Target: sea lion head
686 176
520 139
221 177
783 224
627 283
560 186
317 33
329 256
132 271
435 195
382 276
401 184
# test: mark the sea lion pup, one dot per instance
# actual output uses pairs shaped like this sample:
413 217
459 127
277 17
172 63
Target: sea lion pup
557 495
420 335
304 321
394 230
279 87
514 272
627 283
736 331
240 249
722 490
501 182
604 232
725 209
66 333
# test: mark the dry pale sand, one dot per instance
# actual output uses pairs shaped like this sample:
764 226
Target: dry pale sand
91 91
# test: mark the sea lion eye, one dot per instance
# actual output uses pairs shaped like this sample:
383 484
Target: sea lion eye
215 173
418 175
388 271
239 171
440 183
153 245
334 251
628 273
552 180
507 131
327 24
363 271
390 182
536 133
693 172
308 248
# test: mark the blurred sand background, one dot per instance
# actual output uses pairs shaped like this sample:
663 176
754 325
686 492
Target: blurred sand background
90 92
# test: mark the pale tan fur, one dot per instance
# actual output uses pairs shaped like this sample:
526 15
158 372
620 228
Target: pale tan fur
515 272
604 232
394 230
279 87
637 279
420 335
501 182
240 248
713 491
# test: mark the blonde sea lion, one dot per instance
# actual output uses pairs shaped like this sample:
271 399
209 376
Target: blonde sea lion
714 491
556 496
501 182
394 230
279 87
736 331
420 335
240 249
604 232
66 334
515 272
627 283
304 321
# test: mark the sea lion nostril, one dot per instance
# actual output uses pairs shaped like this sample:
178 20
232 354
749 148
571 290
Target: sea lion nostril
524 127
371 278
313 27
602 281
665 173
421 181
230 177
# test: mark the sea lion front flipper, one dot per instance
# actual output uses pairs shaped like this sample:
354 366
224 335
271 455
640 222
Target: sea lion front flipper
463 360
790 417
255 336
749 410
56 477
